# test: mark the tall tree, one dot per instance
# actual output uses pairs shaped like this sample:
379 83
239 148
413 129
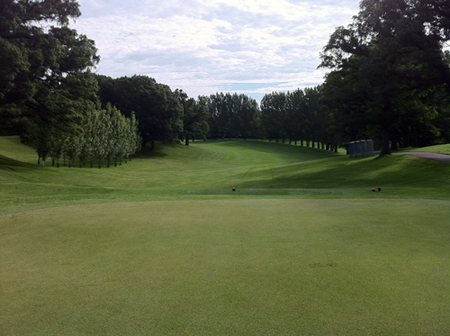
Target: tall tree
38 60
195 118
393 52
275 115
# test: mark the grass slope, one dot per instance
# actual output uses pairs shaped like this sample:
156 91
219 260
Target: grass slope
211 169
162 245
442 149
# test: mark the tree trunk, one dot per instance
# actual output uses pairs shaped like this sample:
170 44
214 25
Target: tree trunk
394 141
385 142
187 141
405 134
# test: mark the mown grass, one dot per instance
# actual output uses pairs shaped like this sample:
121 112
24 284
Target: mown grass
206 169
227 267
163 246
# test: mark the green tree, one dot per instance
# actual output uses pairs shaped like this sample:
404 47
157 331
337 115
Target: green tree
392 56
248 114
275 115
39 60
156 107
195 118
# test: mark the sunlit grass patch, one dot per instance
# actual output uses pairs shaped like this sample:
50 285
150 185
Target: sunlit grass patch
227 267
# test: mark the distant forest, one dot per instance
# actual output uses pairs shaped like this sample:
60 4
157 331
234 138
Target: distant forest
388 80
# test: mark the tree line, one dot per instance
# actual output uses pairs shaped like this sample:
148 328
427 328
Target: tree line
102 134
298 116
388 80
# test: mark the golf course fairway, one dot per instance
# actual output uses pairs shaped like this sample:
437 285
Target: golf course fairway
162 245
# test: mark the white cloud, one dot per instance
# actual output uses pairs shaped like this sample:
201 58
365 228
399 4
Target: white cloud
204 46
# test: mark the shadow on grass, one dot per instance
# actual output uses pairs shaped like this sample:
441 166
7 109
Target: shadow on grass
343 172
6 163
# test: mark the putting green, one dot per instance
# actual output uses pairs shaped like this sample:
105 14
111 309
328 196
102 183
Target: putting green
227 267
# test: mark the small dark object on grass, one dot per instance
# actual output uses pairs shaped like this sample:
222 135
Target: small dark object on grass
373 189
234 189
379 189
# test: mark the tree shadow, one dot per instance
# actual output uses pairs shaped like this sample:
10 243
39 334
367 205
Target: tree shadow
350 173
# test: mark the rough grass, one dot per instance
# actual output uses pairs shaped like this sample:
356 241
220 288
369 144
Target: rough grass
163 246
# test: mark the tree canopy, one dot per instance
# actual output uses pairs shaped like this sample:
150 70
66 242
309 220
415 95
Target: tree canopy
387 64
156 106
41 54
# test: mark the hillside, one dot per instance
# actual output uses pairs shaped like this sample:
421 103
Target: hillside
211 169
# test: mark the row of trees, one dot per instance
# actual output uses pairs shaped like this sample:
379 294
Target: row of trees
163 114
100 135
231 115
389 81
299 115
389 76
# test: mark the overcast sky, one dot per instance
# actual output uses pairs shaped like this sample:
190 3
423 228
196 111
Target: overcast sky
208 46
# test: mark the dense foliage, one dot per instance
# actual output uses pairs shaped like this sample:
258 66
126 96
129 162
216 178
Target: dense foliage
101 135
47 92
45 74
389 71
232 115
298 116
389 80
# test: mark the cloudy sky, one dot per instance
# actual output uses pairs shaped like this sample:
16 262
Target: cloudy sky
208 46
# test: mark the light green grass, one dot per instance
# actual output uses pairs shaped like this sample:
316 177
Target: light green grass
163 246
211 169
227 267
442 149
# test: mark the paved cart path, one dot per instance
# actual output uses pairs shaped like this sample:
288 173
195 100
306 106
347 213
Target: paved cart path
429 156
